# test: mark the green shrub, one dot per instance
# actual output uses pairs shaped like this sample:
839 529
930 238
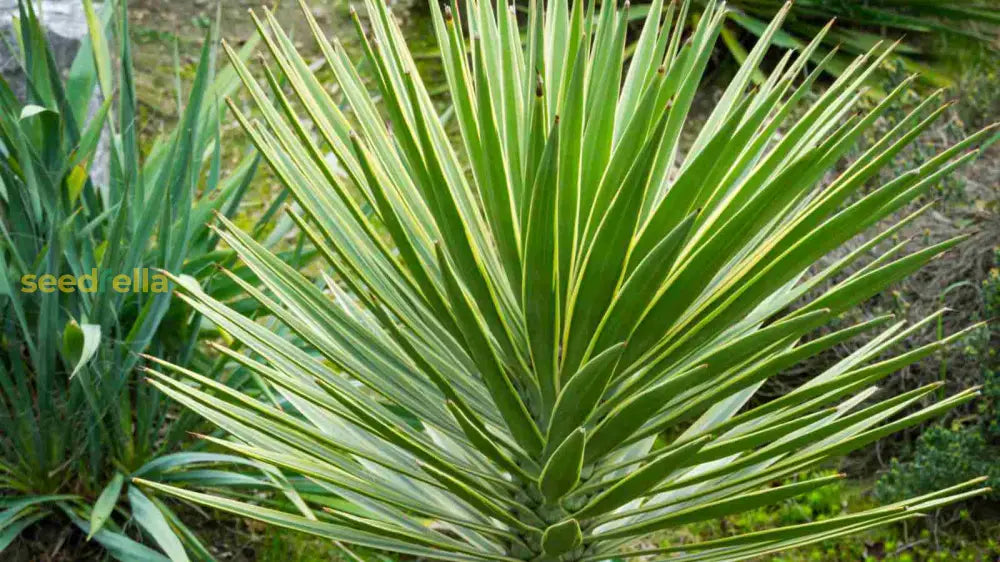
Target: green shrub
941 457
989 409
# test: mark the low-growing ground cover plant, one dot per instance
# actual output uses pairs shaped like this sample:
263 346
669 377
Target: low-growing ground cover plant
547 353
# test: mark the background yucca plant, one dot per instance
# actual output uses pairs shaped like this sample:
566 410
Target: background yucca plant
549 354
75 420
862 23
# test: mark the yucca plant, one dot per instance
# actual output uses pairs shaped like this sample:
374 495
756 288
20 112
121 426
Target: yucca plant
862 23
550 352
75 421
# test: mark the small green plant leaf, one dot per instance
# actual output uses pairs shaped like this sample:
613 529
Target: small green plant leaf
562 472
562 538
75 181
30 111
582 393
80 343
105 504
153 522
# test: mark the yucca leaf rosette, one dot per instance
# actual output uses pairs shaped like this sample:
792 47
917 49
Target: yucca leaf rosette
554 279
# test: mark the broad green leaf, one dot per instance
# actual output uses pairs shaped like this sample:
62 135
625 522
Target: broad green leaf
80 343
562 537
562 471
581 394
155 524
105 504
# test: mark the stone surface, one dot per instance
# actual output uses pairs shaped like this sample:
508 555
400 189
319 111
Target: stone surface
66 24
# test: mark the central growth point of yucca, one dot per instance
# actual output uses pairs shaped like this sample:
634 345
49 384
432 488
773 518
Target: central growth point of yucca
537 339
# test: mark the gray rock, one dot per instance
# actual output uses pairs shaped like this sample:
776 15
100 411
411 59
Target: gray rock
66 25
